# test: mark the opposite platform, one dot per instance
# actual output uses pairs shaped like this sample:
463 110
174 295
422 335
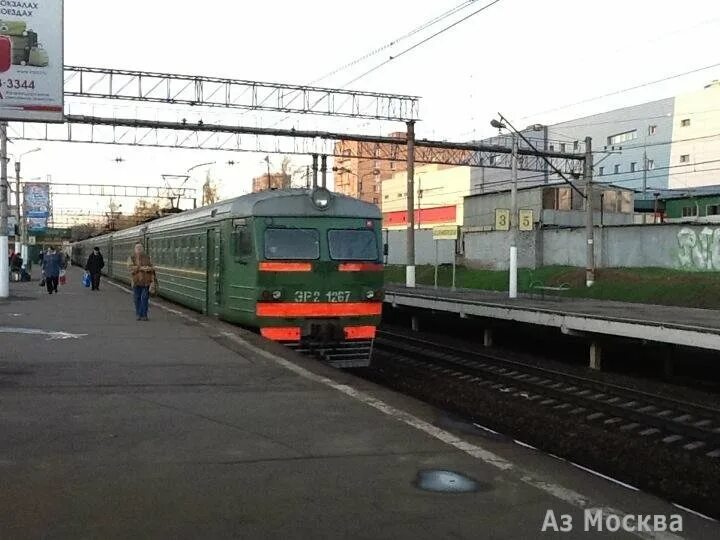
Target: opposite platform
186 427
691 327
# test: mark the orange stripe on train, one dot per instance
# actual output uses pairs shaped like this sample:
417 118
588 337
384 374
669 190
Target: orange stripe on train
284 267
359 332
318 309
281 333
360 267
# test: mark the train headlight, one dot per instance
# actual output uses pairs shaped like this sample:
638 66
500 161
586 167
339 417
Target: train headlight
276 295
370 295
321 198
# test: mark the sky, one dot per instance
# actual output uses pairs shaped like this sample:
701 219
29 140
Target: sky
518 57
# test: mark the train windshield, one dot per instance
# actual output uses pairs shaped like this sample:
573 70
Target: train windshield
292 244
353 245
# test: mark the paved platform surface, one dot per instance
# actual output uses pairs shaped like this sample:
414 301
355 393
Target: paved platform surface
185 427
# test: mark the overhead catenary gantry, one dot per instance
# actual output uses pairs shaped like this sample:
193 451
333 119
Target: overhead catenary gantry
117 190
202 91
496 153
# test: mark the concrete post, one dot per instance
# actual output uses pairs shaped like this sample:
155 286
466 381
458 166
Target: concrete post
410 268
415 323
595 356
487 337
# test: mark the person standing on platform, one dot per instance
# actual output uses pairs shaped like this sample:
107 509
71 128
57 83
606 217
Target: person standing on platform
51 270
142 274
94 265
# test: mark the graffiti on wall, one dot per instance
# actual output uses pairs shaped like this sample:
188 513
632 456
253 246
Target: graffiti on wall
699 249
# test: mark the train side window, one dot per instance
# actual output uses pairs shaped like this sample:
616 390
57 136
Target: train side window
242 241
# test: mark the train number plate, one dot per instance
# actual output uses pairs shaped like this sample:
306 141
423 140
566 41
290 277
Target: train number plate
317 296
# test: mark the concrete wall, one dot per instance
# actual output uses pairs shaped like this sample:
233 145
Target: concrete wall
424 247
683 247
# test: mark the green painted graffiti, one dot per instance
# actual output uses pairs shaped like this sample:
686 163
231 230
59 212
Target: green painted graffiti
698 250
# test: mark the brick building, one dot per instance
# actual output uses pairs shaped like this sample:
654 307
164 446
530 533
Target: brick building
362 178
272 181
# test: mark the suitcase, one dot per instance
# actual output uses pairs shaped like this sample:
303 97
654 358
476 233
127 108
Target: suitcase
5 53
22 46
38 57
13 28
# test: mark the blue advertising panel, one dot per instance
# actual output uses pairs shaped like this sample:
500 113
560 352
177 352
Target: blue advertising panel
37 206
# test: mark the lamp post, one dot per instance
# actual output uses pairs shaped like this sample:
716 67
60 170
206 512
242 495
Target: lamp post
512 288
209 163
22 237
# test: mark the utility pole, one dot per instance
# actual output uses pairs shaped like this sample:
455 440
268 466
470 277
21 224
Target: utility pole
513 219
588 174
644 183
410 268
4 263
19 237
267 160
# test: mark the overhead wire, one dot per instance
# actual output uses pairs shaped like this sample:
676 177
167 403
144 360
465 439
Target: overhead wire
397 40
422 42
624 90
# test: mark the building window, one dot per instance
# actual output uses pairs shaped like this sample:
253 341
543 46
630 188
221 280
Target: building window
576 145
375 200
650 164
633 166
491 160
551 148
689 211
562 147
392 165
652 130
620 138
712 210
685 158
601 171
685 122
617 169
386 197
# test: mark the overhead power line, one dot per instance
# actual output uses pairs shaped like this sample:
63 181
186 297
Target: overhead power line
624 90
397 40
422 42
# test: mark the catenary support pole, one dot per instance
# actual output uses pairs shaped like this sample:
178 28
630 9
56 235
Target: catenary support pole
410 268
513 220
315 171
323 170
4 211
589 210
20 240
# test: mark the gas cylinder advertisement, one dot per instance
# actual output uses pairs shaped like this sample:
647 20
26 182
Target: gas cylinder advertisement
31 60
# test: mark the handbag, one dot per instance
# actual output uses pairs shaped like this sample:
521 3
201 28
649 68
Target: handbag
86 280
42 282
154 288
62 279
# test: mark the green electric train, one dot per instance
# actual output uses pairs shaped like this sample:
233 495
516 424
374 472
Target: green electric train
304 267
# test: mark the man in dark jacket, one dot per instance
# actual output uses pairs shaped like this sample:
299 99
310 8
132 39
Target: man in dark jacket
95 264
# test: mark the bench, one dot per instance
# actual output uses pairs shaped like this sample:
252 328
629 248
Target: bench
540 286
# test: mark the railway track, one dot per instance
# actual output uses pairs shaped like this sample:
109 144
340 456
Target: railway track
688 426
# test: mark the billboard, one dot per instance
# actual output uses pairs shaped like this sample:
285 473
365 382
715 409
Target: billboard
31 60
37 206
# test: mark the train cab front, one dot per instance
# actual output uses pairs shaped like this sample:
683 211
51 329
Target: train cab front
320 286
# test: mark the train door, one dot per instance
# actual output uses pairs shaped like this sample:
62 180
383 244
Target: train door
214 274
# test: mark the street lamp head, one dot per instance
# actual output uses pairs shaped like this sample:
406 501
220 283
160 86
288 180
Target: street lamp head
497 124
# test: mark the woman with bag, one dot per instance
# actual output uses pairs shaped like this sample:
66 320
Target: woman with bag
51 270
142 275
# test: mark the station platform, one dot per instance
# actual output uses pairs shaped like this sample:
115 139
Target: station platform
187 427
690 327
